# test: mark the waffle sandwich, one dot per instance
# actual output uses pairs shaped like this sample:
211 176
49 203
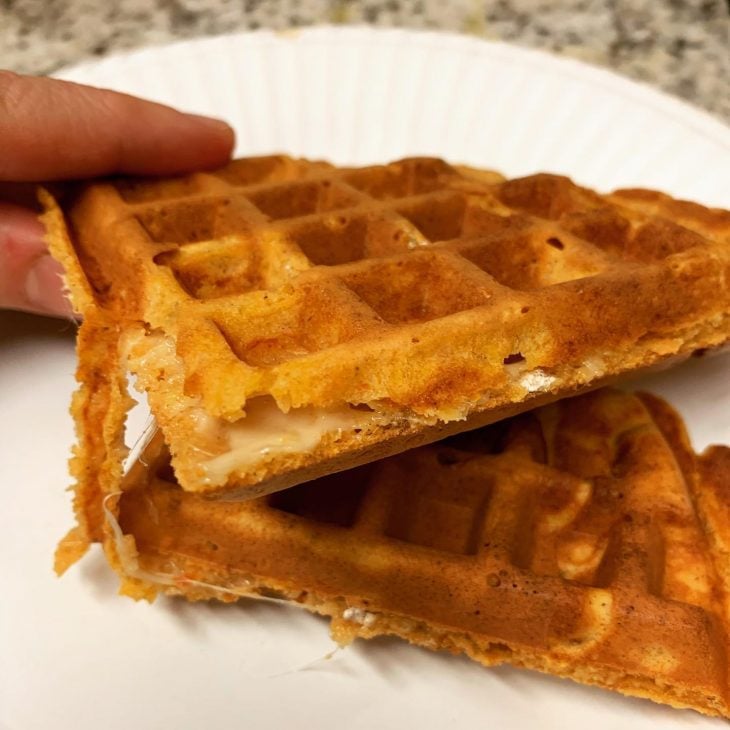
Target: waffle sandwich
584 539
289 319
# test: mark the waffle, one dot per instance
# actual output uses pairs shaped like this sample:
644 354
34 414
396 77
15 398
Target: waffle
288 319
584 539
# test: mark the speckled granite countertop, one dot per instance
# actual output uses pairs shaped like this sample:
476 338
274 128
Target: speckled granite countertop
682 46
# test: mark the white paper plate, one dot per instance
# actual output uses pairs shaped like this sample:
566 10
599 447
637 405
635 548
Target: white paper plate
72 654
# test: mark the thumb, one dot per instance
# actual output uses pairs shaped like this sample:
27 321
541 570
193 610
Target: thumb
30 279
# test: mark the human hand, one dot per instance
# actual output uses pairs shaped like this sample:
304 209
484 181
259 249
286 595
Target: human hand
56 130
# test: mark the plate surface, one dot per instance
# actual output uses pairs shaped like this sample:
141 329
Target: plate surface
72 654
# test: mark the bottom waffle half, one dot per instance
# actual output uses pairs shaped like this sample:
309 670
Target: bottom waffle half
585 539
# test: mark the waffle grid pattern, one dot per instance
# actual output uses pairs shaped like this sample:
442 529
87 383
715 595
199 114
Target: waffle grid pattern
382 246
411 289
571 536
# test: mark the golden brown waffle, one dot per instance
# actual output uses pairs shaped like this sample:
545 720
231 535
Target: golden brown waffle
584 539
380 307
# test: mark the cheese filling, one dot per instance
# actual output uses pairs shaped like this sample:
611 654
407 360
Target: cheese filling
359 616
536 381
267 432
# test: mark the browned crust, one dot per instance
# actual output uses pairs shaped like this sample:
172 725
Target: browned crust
99 409
535 268
648 619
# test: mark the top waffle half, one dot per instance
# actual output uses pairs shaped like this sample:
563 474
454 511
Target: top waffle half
289 319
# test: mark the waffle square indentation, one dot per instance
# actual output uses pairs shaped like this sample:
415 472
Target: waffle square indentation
401 179
194 220
423 286
340 239
289 324
143 191
442 508
299 199
216 269
334 499
255 170
438 218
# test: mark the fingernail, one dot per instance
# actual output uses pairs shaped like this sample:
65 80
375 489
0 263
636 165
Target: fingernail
213 124
44 288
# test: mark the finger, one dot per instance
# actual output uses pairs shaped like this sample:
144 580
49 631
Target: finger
30 279
25 194
52 130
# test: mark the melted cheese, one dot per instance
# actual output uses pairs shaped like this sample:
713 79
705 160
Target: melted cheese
359 616
264 433
592 368
537 380
267 432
